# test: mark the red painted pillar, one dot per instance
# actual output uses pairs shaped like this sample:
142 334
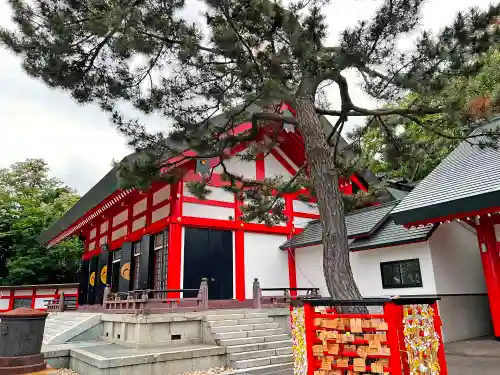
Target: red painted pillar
239 253
491 269
174 270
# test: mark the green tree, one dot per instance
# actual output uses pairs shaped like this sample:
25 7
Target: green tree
243 53
30 201
407 149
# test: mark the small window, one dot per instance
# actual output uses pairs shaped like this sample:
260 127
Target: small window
401 274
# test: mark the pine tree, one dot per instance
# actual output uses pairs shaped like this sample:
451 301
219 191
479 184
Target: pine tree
245 53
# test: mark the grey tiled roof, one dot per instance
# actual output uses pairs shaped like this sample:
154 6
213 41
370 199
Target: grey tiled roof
467 180
384 231
359 223
391 234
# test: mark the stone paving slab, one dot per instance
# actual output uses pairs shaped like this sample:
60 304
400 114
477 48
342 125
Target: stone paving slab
113 355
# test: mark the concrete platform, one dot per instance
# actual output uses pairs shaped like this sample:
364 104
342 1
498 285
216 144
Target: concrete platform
471 357
113 359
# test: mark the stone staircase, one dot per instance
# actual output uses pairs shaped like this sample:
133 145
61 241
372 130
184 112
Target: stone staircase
61 327
253 341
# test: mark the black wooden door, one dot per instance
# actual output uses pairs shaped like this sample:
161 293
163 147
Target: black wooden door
209 253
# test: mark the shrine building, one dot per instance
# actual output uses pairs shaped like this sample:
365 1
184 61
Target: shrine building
166 238
421 242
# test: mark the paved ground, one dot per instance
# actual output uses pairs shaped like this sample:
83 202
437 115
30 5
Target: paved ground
473 357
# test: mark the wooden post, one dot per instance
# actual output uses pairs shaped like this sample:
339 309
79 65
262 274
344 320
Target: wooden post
393 316
257 295
437 328
61 302
310 336
204 293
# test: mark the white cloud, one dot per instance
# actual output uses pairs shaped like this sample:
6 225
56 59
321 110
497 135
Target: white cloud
78 142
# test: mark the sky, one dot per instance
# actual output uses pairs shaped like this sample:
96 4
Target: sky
79 144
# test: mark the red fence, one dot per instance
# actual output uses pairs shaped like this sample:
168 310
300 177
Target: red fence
404 337
34 296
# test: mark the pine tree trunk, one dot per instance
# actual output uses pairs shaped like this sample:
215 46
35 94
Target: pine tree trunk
325 177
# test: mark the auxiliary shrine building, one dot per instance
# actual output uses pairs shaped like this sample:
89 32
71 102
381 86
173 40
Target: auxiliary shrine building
166 238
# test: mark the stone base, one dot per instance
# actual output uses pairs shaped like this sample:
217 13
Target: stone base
22 365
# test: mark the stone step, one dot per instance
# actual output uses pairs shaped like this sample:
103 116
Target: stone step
244 327
253 340
273 360
229 335
285 344
264 332
284 351
211 318
244 321
252 355
266 370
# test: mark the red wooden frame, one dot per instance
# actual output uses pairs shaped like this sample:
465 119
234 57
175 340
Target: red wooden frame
33 296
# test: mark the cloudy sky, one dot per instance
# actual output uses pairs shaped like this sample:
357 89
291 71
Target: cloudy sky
77 141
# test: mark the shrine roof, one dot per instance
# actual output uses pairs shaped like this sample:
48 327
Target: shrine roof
392 234
467 181
360 223
109 183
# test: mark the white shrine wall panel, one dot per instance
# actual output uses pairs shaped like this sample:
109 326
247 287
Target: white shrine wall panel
207 212
68 290
4 303
455 249
274 168
140 207
41 292
237 166
139 223
104 227
309 268
92 233
265 261
122 231
308 208
161 195
91 245
120 218
103 240
41 303
366 269
23 292
216 194
301 222
160 213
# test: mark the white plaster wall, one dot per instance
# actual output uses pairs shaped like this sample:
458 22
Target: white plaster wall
460 283
216 194
4 303
309 268
366 269
264 260
274 168
457 260
237 166
207 212
309 208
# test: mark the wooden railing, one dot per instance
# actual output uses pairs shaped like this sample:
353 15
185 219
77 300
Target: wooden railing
35 296
283 299
62 303
156 300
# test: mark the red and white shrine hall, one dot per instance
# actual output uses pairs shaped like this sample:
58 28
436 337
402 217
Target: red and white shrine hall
166 238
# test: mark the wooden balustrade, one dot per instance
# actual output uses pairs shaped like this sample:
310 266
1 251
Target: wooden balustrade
281 300
156 300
